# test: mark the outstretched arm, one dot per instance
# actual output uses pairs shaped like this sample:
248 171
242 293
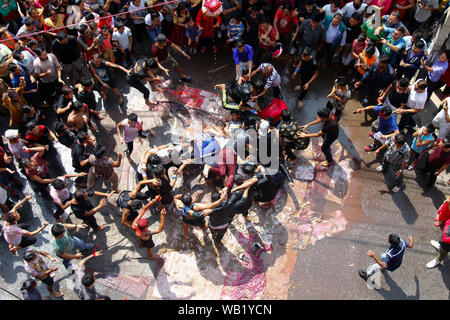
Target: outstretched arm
144 209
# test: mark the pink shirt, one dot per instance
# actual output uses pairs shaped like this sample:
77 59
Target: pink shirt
357 47
58 196
13 233
131 133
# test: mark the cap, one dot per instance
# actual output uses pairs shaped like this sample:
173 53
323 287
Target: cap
11 134
161 38
143 223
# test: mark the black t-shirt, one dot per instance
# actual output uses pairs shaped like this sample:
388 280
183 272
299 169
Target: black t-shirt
35 118
79 154
122 202
330 130
139 71
307 70
87 97
81 208
66 53
102 71
67 139
62 103
352 32
395 98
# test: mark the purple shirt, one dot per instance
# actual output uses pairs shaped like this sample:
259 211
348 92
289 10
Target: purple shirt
438 70
244 56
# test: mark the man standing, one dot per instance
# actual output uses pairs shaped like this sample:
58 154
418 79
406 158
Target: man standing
65 48
397 157
123 40
437 161
416 102
243 59
391 260
308 71
442 246
48 70
84 282
329 133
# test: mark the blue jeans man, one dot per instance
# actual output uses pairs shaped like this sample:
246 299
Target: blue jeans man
78 244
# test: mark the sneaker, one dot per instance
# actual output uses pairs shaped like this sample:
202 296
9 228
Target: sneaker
363 274
396 189
435 244
433 263
379 169
369 148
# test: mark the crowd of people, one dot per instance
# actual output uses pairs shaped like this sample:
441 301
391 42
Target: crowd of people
55 54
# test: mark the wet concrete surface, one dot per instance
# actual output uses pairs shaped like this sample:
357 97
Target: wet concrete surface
314 240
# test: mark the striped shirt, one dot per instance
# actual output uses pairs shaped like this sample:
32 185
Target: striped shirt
395 155
235 31
274 79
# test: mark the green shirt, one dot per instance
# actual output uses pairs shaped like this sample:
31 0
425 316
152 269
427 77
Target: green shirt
369 29
65 244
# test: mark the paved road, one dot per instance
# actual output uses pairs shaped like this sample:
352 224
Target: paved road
314 241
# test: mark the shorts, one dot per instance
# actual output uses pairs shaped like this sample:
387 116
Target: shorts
147 243
169 62
111 83
75 65
47 280
195 222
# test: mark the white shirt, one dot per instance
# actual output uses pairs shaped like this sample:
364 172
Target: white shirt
27 61
408 43
148 19
51 63
123 38
139 13
349 9
422 15
416 100
328 12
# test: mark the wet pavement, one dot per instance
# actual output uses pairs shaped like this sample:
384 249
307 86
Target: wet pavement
309 246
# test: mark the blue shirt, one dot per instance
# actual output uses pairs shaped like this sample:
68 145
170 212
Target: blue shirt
244 56
192 32
28 84
386 126
438 70
422 148
394 256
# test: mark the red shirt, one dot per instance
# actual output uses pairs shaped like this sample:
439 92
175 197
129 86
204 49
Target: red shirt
159 53
33 138
438 157
272 34
284 23
2 161
444 212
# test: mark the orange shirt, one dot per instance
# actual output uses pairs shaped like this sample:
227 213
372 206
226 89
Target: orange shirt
370 61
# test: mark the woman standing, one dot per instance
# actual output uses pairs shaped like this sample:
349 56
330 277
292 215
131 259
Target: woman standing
180 18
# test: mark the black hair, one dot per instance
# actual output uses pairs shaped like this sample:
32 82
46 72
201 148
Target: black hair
317 17
16 55
28 21
9 217
238 179
357 16
58 184
417 34
258 85
403 82
86 82
66 90
61 35
287 6
82 136
249 168
89 16
26 108
306 51
79 195
133 117
32 42
384 59
396 14
28 284
370 50
430 128
39 51
135 204
386 111
119 24
28 255
215 196
401 29
362 37
158 170
341 81
446 141
30 125
12 67
88 279
419 44
154 159
422 84
186 199
82 28
240 43
400 138
58 127
76 105
394 240
323 113
58 229
285 115
150 63
99 151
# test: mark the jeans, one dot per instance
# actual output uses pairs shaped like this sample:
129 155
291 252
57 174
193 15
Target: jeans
326 149
78 244
153 33
376 267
